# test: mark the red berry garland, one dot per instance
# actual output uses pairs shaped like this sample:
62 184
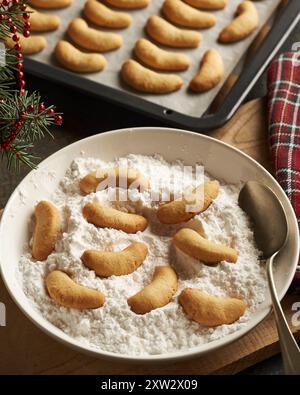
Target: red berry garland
42 107
16 38
58 119
17 126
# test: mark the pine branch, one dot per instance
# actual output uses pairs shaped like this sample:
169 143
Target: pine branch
34 120
23 118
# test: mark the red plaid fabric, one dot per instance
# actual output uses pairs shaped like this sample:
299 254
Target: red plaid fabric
284 127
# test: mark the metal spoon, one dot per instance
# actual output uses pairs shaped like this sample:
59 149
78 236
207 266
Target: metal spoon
270 232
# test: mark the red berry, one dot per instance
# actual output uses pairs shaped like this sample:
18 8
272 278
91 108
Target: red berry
22 115
42 107
19 55
18 47
27 25
22 91
15 37
26 33
19 65
23 8
20 75
5 2
13 29
21 83
26 15
58 119
16 1
9 21
18 125
30 108
50 111
2 17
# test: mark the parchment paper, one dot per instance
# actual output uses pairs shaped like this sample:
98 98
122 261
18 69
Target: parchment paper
181 101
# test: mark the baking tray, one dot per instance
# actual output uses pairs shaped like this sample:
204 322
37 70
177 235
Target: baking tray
230 96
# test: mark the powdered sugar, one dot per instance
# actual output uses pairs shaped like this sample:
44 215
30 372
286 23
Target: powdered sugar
114 327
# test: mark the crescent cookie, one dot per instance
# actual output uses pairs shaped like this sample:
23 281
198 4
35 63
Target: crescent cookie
246 21
106 264
30 45
73 59
129 4
51 3
193 244
165 33
144 80
103 16
210 310
210 72
92 39
208 4
46 231
156 294
64 291
159 59
182 14
108 217
42 22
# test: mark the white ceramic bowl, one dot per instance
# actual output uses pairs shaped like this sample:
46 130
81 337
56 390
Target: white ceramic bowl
220 160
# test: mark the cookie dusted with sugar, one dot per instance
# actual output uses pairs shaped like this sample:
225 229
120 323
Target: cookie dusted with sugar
108 217
193 244
121 177
156 294
120 263
46 231
185 208
210 310
64 291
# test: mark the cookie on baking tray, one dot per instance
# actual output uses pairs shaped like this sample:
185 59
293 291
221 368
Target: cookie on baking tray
183 15
157 58
144 80
210 72
165 33
81 62
246 21
103 16
50 3
93 39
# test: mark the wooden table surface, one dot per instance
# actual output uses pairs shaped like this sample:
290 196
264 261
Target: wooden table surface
27 350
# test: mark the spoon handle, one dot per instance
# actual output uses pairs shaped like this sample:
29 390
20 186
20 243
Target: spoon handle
289 348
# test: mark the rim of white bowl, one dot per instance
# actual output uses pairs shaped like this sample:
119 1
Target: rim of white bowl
189 353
